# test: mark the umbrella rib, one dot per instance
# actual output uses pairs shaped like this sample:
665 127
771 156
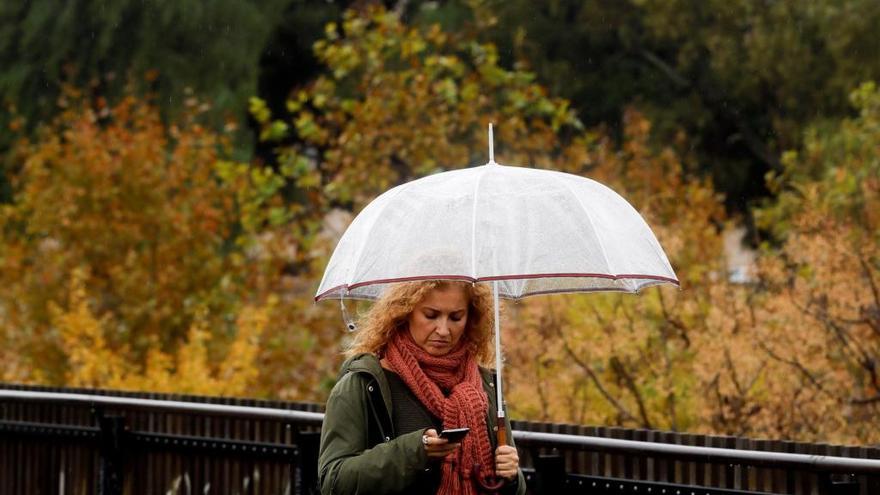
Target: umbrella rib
360 254
589 219
474 224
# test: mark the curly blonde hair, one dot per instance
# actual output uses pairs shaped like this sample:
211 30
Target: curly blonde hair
390 314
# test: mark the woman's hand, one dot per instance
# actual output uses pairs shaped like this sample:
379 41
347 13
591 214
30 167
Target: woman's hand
436 447
506 462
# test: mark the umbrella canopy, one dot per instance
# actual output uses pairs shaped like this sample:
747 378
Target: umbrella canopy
534 231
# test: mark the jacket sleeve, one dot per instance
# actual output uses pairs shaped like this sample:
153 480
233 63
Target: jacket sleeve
347 464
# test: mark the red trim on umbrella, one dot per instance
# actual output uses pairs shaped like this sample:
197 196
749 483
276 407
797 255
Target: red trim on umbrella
508 277
577 275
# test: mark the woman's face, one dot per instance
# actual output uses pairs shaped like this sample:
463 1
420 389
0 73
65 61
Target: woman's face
438 321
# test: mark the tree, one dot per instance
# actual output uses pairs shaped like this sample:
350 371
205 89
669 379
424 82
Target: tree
399 102
790 356
743 79
210 48
819 323
91 362
167 48
130 241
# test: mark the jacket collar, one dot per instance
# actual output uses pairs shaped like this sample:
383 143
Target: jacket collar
362 363
369 364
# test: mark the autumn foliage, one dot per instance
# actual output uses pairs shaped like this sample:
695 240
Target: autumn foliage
792 354
818 324
136 254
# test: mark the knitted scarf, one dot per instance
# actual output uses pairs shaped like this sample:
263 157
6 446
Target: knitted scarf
465 406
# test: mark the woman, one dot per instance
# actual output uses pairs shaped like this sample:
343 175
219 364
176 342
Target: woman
413 370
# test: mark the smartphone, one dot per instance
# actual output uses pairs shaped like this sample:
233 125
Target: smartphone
454 435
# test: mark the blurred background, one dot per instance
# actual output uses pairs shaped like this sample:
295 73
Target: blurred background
175 174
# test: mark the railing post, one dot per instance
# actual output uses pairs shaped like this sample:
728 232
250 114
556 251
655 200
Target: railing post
307 444
836 484
111 462
549 473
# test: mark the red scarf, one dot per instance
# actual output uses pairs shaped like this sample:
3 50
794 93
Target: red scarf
465 406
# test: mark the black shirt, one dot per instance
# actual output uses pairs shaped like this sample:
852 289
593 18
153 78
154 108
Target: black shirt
407 411
408 414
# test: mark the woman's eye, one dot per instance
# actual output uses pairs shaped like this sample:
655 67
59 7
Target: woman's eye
430 316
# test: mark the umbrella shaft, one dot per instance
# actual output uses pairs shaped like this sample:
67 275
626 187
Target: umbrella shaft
497 350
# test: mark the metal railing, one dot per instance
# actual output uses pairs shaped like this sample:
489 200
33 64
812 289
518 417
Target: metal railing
816 463
166 406
67 441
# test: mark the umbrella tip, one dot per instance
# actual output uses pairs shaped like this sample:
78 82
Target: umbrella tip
491 145
349 323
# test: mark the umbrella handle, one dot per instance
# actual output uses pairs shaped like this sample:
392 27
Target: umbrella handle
489 484
501 434
492 484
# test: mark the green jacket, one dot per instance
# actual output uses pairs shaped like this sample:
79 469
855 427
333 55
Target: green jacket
360 454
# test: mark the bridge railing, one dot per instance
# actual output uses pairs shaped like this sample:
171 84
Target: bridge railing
87 441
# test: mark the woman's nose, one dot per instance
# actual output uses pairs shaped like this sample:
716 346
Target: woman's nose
443 327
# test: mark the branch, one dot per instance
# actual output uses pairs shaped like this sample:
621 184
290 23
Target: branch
542 397
401 167
625 414
872 319
670 403
674 322
715 383
798 366
618 368
718 102
666 69
852 348
757 375
732 368
849 349
861 357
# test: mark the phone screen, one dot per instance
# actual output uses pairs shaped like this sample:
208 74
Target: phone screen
454 434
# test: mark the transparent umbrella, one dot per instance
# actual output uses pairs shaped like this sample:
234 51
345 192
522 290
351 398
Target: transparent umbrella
527 231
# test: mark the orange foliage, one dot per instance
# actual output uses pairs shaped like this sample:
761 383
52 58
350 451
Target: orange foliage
818 321
175 256
91 362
